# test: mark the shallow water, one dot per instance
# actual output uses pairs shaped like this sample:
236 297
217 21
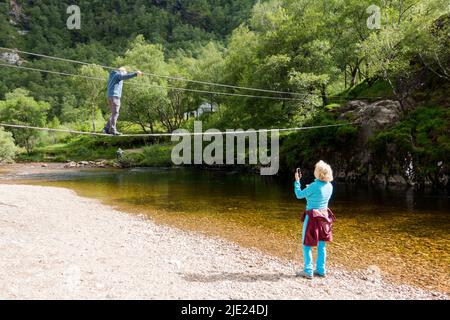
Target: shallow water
403 233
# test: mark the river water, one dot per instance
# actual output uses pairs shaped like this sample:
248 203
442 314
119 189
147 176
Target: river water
402 233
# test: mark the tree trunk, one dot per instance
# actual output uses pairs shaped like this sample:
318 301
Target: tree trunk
324 95
93 119
345 77
143 127
354 75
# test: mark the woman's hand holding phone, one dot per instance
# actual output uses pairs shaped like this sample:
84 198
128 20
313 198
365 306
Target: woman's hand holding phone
298 174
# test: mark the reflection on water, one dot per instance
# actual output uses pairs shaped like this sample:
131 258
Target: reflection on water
404 233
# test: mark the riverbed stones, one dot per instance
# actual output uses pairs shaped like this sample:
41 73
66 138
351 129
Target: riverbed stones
380 179
91 164
444 180
71 164
397 180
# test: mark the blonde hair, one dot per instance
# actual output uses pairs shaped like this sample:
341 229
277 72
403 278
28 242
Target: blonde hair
323 171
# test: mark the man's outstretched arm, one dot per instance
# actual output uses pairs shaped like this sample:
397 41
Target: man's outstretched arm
127 76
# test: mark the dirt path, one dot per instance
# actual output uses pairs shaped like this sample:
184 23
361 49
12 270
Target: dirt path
57 245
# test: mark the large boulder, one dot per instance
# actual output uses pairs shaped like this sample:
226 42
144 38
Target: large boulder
397 180
372 117
10 58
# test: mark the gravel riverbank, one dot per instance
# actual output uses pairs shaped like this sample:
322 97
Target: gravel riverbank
57 245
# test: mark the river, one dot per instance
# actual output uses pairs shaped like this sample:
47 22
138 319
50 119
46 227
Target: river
402 233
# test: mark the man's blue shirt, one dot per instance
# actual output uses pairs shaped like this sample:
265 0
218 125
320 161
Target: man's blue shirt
115 83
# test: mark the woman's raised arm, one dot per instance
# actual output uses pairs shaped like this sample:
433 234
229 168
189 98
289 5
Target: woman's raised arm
299 193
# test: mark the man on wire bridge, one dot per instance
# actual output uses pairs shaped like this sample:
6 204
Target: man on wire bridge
115 85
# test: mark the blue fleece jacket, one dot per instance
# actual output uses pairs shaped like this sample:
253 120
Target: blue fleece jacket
317 194
115 83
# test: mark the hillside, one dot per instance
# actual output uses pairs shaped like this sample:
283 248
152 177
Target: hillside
173 23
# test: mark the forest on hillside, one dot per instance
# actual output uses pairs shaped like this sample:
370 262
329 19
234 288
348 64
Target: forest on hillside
321 54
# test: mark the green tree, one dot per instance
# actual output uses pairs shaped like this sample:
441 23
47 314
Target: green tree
92 90
21 109
205 65
7 147
210 66
409 41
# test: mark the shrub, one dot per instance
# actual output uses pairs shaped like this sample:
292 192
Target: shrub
8 149
157 156
332 106
421 139
304 148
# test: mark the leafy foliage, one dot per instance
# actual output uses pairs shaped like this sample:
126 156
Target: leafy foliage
8 149
19 108
419 145
303 149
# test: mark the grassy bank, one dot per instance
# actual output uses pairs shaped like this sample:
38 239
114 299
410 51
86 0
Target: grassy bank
138 151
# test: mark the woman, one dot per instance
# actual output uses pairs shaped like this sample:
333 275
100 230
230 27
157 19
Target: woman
317 218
